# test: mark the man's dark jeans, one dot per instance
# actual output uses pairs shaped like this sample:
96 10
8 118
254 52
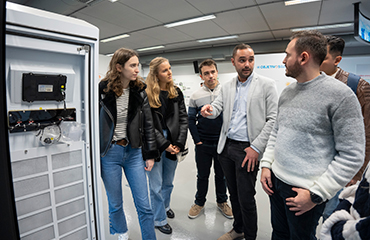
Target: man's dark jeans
287 226
241 185
205 154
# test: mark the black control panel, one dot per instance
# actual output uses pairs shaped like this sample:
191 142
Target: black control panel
43 87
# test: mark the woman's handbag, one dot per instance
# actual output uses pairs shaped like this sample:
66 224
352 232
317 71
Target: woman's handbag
182 155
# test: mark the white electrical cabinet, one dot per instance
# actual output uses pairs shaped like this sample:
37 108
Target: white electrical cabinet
51 83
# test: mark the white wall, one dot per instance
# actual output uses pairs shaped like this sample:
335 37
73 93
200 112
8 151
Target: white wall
103 65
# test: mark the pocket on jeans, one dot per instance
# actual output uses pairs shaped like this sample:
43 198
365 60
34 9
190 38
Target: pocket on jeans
243 146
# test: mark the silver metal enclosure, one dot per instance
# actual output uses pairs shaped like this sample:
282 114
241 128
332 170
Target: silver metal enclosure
56 180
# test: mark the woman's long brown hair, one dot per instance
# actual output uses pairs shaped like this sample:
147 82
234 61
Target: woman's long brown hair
121 56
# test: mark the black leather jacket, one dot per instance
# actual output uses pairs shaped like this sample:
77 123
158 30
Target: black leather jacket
177 124
140 129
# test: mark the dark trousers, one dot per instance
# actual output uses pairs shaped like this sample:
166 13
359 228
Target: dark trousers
287 226
241 185
205 154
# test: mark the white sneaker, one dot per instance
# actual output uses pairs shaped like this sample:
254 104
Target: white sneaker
123 236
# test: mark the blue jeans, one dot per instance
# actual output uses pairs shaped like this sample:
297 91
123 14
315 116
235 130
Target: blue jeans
285 225
331 205
131 160
205 154
241 185
161 185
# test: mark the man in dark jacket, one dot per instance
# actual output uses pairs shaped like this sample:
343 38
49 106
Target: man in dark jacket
205 133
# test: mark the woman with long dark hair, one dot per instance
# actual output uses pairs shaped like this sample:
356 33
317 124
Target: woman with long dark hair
171 124
127 141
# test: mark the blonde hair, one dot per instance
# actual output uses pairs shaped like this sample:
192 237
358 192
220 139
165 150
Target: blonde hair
121 56
153 89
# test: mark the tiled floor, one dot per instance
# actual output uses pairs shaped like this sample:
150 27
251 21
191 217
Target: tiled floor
208 226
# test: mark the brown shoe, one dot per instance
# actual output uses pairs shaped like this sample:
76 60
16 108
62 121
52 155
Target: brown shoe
195 211
232 235
225 210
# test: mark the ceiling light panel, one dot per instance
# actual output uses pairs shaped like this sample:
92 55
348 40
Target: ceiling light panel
295 2
114 38
149 48
218 38
342 25
188 21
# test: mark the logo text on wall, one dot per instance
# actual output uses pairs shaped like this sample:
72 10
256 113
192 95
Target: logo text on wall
270 66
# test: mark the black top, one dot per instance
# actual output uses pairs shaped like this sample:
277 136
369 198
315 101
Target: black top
163 97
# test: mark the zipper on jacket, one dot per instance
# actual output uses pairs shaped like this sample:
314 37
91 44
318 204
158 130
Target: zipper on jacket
111 117
141 128
107 111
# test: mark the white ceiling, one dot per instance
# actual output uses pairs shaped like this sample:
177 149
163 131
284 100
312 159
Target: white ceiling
254 21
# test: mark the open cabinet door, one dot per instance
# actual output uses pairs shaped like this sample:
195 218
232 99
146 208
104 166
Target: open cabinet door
50 78
8 219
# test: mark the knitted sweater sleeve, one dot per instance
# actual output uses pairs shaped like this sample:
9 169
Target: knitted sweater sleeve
349 138
268 156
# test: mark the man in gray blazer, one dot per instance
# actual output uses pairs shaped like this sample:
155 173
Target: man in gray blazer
249 106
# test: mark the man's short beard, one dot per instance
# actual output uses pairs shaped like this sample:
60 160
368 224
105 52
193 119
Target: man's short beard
294 71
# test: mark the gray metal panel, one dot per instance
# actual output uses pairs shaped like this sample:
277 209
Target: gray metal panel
58 200
67 176
44 234
71 208
71 224
80 235
29 167
32 204
66 159
31 185
68 193
35 221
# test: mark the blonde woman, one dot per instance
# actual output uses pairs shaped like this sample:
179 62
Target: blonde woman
127 141
171 124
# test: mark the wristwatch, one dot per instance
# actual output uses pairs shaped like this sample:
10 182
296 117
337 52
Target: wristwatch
316 198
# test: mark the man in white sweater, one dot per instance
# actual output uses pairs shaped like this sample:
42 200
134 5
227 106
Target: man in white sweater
317 144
